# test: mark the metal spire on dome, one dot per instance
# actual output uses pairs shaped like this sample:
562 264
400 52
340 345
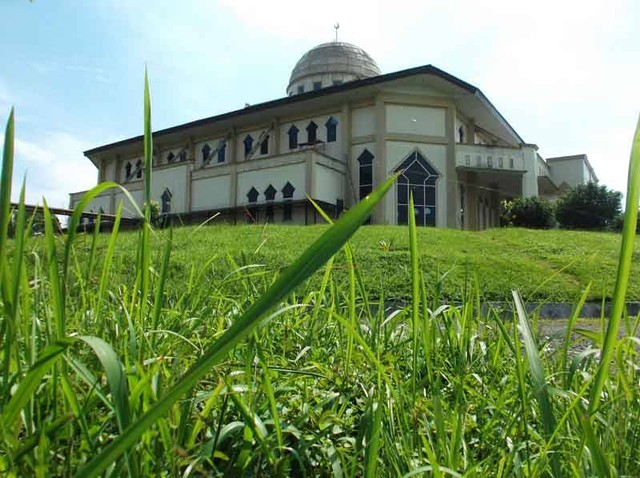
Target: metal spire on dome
335 27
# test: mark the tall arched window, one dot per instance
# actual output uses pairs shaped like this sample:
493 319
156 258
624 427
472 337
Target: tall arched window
206 151
312 132
248 145
417 177
139 169
365 178
222 150
293 137
332 129
127 171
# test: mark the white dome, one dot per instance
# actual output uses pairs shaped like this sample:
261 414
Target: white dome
331 64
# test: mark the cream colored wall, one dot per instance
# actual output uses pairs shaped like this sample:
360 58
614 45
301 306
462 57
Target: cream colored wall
332 149
570 171
327 184
103 201
255 134
128 209
363 121
110 170
276 176
213 143
436 155
175 179
211 193
420 120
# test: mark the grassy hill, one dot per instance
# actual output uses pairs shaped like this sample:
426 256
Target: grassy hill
542 265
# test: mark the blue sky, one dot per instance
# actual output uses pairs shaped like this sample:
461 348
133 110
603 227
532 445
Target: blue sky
565 73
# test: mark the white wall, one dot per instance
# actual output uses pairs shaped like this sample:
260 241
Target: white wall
276 176
363 121
332 149
415 120
128 210
328 184
175 179
213 143
211 193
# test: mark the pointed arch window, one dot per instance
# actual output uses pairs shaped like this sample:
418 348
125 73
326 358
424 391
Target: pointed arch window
270 193
332 129
170 157
248 145
287 194
139 169
293 137
166 201
312 132
206 151
288 190
127 171
182 155
264 146
365 177
252 195
417 177
222 151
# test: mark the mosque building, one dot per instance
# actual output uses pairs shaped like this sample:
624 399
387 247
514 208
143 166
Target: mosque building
343 128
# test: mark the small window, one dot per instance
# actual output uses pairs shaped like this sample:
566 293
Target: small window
332 128
166 201
183 155
248 145
312 133
206 151
264 146
293 137
139 169
300 89
317 85
222 151
287 211
511 163
127 171
270 193
337 82
252 195
170 157
461 134
288 190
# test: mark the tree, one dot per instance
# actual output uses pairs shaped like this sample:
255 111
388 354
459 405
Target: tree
532 212
589 206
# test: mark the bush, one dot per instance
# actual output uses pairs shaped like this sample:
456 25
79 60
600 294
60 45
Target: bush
532 212
589 206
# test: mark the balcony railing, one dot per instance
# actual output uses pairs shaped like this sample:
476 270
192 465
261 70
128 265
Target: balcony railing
489 157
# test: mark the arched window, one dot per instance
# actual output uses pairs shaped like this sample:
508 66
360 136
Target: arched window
252 195
264 146
312 133
418 177
270 193
222 151
293 137
287 194
332 128
166 201
182 155
461 134
248 145
365 178
206 151
127 171
170 157
139 169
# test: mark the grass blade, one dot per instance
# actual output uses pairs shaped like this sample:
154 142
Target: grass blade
624 269
538 376
5 186
316 255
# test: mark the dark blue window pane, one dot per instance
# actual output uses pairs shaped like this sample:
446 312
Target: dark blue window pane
222 150
366 175
430 199
402 215
403 194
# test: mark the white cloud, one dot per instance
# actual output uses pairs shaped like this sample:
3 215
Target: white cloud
54 166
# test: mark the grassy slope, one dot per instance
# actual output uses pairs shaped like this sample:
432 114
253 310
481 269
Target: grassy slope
543 265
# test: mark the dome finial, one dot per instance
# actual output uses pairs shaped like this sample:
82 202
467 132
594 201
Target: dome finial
335 27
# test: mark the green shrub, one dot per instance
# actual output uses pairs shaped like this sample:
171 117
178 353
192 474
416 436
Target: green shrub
532 213
589 206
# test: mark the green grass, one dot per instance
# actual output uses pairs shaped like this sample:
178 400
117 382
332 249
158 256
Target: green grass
542 265
207 352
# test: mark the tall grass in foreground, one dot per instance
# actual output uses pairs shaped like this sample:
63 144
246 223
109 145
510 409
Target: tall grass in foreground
262 375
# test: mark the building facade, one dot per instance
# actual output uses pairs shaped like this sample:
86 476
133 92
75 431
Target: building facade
343 128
